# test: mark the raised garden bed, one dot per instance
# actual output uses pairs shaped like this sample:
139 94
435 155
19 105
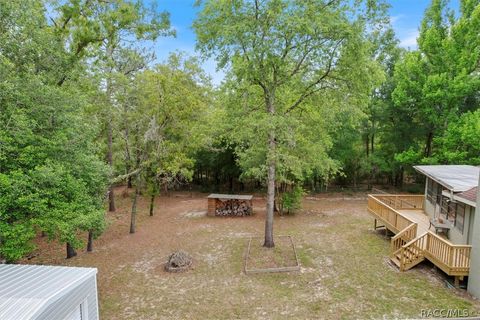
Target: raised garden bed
281 258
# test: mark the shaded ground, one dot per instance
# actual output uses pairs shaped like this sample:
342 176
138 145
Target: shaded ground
344 274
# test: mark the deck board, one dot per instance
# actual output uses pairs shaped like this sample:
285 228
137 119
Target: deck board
419 217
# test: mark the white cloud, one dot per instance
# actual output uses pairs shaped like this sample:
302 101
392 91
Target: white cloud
409 39
210 67
395 19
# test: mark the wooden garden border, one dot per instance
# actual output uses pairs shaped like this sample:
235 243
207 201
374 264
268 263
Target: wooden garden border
270 270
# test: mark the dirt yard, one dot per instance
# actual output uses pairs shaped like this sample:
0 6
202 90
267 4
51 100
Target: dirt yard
345 272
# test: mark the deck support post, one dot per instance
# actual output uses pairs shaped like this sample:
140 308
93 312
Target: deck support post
457 282
376 226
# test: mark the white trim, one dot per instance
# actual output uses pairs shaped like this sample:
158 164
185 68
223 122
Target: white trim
96 295
84 309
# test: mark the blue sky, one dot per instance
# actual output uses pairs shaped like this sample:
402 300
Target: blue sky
405 16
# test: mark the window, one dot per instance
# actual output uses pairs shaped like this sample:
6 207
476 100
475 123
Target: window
460 216
452 211
434 192
431 191
447 210
439 194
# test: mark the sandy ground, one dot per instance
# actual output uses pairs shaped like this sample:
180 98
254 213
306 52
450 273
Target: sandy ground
345 272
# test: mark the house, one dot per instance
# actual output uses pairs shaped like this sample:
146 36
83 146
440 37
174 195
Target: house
438 226
448 195
48 292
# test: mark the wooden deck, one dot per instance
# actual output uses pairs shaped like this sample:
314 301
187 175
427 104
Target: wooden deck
413 242
419 217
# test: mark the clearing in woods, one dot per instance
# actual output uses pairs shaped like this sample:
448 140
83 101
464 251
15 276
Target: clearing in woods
345 270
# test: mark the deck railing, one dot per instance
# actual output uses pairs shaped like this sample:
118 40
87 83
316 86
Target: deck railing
394 220
402 201
452 259
412 253
402 238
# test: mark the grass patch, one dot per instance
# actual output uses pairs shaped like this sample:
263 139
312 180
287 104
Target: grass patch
280 258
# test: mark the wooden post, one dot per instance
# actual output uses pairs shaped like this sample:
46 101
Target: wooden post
402 260
457 282
211 207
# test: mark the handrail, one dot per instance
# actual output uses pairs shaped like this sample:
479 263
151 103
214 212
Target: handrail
407 234
380 202
416 252
415 201
447 256
448 242
414 240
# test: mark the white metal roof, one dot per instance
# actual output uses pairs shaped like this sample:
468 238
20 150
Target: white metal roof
456 178
26 290
230 196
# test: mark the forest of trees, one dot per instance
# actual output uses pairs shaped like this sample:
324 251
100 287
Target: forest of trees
316 93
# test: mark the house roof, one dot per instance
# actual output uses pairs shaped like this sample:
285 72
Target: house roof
26 290
469 196
456 178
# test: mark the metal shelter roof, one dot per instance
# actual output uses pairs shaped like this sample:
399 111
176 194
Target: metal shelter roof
230 196
26 290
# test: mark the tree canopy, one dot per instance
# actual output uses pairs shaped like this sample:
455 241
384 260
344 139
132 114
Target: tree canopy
316 93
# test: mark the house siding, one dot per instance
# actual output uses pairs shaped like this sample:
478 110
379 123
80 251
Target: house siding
474 277
470 226
456 236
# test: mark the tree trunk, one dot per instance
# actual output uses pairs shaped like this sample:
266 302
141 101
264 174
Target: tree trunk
428 144
270 199
128 158
372 143
111 195
134 209
70 251
367 145
271 147
129 182
152 203
90 241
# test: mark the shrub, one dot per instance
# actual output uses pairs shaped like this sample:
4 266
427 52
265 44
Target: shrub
292 200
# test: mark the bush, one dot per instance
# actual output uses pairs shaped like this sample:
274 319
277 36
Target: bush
292 200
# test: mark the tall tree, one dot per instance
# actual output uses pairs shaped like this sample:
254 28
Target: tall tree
52 179
289 51
440 81
106 27
167 124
